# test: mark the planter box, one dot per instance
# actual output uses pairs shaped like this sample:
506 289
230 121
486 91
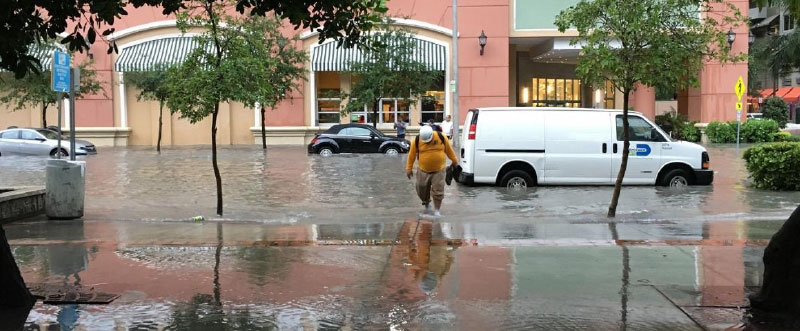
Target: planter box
20 202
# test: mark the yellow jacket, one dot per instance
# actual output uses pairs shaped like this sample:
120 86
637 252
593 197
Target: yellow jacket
431 154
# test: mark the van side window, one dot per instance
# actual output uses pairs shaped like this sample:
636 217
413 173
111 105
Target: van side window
639 130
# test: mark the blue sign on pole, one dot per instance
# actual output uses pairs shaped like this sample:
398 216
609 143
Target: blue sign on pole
60 73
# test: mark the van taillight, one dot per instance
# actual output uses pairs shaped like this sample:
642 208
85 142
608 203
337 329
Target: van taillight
472 128
706 163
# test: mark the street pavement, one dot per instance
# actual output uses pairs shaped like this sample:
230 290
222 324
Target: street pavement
335 243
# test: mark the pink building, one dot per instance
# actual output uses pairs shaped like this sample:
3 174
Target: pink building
526 62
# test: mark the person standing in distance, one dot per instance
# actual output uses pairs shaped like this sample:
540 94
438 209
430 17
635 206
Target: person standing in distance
401 127
447 127
432 150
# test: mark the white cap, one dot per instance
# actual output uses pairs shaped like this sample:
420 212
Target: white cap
426 134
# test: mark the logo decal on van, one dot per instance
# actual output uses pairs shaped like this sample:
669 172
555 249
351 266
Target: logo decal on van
643 150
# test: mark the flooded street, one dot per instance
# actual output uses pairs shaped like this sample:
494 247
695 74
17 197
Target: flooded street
335 244
286 185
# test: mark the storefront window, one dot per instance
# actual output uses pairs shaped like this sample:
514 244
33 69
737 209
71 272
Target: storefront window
550 92
328 98
328 110
611 94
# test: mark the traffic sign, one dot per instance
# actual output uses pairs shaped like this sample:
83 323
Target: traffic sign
60 72
740 89
738 106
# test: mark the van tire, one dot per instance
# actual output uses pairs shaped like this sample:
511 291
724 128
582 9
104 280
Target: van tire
676 178
517 180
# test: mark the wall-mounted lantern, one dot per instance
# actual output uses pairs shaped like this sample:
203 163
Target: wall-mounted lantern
482 41
731 37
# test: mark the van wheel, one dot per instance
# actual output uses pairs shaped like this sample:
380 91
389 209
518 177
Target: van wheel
517 180
676 178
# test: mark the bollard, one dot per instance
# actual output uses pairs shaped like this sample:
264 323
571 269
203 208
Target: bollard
65 189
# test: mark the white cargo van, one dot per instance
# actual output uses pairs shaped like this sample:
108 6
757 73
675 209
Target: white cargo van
520 147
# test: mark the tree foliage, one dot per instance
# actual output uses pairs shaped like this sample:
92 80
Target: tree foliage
658 43
776 109
234 63
35 90
26 22
389 70
776 55
152 86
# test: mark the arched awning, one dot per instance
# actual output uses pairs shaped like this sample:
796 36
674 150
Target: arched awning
150 54
329 57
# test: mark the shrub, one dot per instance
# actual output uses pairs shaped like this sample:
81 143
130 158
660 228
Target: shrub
721 133
759 131
776 109
786 136
690 132
774 166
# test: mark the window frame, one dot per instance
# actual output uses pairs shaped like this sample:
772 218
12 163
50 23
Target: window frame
618 130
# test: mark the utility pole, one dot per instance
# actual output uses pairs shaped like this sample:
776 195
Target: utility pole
454 82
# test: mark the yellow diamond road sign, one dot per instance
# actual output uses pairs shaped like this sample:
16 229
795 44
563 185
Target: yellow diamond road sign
738 106
740 89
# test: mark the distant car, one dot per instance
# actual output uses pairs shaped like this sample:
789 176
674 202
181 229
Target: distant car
23 141
356 138
756 116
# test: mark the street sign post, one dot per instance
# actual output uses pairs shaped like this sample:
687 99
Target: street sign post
60 82
739 89
60 72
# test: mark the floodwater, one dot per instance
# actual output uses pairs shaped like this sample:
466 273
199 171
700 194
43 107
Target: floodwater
335 244
287 186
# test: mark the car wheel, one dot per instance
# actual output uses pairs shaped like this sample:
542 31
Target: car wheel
326 151
62 151
391 151
517 180
676 178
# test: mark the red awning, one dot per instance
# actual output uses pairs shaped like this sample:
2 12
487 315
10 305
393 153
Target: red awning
790 94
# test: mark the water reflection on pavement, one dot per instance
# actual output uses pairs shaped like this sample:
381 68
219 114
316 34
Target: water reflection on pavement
285 185
409 275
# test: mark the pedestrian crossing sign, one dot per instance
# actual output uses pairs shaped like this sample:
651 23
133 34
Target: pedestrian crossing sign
739 106
739 90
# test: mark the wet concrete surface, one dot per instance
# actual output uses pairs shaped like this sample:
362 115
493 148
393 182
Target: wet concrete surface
335 244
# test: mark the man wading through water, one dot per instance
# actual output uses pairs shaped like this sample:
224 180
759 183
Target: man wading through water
431 149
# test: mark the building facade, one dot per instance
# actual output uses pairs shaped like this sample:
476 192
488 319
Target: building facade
525 62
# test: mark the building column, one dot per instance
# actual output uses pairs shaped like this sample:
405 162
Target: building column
643 100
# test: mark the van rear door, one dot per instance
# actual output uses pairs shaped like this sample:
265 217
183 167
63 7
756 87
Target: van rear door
467 153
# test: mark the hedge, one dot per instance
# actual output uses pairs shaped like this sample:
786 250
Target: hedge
721 133
786 136
776 109
774 166
759 131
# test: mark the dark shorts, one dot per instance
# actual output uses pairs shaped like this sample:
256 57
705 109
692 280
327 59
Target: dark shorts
401 136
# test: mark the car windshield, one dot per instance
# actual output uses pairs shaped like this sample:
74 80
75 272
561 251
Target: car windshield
48 134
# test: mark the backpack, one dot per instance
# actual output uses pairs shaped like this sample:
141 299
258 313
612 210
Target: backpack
416 141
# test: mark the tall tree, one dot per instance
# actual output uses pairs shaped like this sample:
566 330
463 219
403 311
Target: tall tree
26 22
286 69
34 90
231 64
152 86
389 70
650 42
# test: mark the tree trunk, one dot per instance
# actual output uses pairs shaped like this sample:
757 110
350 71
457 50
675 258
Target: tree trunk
44 115
780 290
217 258
160 124
263 128
214 158
375 114
13 292
612 208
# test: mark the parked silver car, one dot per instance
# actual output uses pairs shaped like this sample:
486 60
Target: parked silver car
39 142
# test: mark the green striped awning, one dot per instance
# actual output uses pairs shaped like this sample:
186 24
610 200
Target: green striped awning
147 55
329 57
